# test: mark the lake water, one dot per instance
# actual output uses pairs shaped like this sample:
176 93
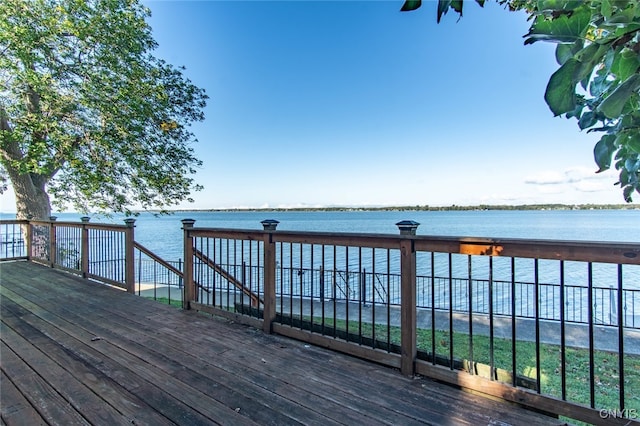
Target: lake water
163 234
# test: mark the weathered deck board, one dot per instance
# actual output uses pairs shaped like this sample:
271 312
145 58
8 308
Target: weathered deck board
75 352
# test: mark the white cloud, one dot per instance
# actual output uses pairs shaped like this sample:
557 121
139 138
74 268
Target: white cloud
551 189
590 186
577 184
545 178
579 178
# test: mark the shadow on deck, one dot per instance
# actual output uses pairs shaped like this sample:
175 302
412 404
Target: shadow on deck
76 352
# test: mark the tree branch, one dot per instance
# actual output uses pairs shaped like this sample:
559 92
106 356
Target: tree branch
9 149
4 120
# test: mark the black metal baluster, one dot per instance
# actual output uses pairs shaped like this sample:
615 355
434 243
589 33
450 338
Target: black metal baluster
311 296
243 276
281 279
620 338
360 288
259 279
514 357
592 389
322 289
373 298
536 291
226 254
140 272
214 281
388 300
334 287
470 290
450 257
346 260
563 347
491 331
291 284
251 243
433 309
301 275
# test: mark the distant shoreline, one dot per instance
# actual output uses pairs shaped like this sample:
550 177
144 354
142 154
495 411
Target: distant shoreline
424 208
481 207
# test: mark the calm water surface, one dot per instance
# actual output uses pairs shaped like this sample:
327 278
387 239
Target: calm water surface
163 234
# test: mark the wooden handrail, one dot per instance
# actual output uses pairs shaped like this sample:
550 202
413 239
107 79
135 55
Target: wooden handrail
158 259
255 299
165 264
585 251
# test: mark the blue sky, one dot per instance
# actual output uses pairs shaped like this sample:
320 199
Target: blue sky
355 103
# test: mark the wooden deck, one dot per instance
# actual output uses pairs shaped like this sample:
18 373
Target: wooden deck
75 352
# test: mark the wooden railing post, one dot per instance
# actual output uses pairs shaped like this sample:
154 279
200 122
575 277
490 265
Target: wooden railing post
84 247
129 256
29 237
52 241
408 344
269 311
189 284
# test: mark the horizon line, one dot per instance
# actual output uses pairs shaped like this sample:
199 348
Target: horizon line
425 207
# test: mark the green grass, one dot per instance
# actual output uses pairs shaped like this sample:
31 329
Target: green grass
164 300
606 371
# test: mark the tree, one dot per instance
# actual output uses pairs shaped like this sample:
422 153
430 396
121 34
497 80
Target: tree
598 81
88 114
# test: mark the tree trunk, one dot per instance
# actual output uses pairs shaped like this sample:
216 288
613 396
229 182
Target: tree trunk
31 198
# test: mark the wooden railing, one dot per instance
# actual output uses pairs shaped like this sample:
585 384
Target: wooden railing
447 308
307 290
106 253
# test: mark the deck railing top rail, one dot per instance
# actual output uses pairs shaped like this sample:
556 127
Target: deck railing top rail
587 251
70 224
594 251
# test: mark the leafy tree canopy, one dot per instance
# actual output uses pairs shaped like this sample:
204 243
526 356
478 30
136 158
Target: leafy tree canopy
598 81
87 113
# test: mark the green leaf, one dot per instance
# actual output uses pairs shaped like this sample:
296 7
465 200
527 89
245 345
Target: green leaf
443 8
623 16
410 5
625 64
632 142
613 104
587 120
556 5
564 52
560 94
621 30
606 9
624 177
457 6
626 192
588 58
603 151
608 60
632 165
566 28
